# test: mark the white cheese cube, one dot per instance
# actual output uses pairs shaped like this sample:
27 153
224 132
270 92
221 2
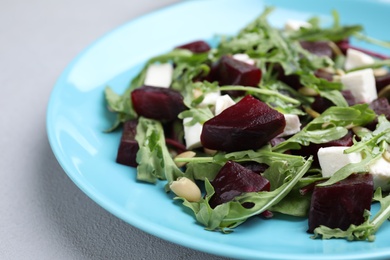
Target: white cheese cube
192 134
293 125
244 58
210 99
356 59
362 85
159 75
380 169
295 25
333 158
222 103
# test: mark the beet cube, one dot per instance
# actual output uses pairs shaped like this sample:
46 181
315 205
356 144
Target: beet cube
380 106
195 47
162 104
229 71
341 204
234 179
249 124
128 146
319 48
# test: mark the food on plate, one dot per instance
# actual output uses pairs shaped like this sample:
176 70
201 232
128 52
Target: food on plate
269 121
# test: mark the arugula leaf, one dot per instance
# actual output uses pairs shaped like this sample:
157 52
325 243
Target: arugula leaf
331 125
153 158
334 33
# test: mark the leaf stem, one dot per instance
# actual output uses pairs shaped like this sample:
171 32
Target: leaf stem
261 91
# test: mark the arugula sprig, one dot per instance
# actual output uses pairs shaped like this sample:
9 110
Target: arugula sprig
331 125
153 158
286 171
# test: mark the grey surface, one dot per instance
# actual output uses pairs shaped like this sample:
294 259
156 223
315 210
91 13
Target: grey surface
43 214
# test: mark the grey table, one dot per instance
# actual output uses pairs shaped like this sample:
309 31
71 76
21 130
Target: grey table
43 214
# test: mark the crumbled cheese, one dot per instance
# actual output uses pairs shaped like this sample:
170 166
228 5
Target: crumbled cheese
356 59
159 75
295 25
222 103
293 125
333 158
362 85
244 58
192 134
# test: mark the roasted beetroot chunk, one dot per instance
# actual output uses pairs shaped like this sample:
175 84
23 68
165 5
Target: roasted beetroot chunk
195 47
128 146
234 179
162 104
249 124
341 204
380 106
319 48
229 71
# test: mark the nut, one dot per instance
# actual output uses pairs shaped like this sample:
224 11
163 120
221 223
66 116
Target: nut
186 188
186 154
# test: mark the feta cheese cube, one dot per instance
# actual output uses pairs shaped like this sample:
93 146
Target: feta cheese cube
356 59
333 158
192 134
244 58
295 25
362 85
380 169
222 103
159 75
293 125
210 99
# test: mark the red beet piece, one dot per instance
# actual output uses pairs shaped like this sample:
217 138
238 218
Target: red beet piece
321 104
341 204
162 104
249 124
382 81
195 47
128 146
229 71
320 48
380 106
234 179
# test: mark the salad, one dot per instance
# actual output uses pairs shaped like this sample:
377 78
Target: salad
291 121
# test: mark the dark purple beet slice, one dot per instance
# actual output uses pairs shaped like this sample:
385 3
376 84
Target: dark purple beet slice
234 179
382 81
320 48
162 104
249 124
341 204
255 166
196 46
229 71
312 148
128 146
321 104
380 106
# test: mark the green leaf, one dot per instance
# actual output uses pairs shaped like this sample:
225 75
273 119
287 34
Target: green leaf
331 125
153 158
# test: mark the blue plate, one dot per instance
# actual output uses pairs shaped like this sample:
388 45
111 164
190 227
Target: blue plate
77 116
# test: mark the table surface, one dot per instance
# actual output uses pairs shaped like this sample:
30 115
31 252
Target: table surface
44 215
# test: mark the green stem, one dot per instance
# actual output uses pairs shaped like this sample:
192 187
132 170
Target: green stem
261 91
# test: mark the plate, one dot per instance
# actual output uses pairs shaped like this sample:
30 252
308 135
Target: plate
77 117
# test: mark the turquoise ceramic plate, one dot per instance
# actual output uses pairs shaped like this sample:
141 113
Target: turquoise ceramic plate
77 116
